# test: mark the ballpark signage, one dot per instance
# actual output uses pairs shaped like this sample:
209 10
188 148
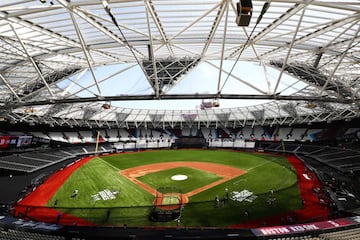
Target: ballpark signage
105 195
301 228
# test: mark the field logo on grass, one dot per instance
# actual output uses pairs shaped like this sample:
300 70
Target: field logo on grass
105 194
244 195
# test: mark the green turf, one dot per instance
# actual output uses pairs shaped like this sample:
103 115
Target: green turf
196 179
96 176
133 204
170 200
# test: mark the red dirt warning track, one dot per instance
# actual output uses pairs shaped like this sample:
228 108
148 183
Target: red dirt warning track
224 171
36 201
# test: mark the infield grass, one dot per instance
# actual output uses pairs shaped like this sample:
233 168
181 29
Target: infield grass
132 205
195 180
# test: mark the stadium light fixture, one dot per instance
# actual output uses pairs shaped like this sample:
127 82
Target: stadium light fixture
244 12
106 106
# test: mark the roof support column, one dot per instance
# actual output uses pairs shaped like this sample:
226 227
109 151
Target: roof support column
237 78
84 48
213 28
150 8
151 50
9 87
340 60
32 60
223 47
289 51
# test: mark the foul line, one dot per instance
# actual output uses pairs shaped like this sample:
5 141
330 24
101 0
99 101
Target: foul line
252 168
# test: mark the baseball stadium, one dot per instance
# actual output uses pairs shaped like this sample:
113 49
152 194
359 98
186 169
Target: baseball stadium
174 120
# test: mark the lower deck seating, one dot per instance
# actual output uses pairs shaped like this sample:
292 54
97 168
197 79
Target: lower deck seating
353 234
22 235
35 160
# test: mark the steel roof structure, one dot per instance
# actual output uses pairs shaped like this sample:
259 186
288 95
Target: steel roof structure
43 42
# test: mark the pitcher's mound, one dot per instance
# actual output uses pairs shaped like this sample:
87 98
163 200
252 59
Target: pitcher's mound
179 177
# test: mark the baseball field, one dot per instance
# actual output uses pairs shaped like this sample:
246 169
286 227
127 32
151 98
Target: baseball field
212 188
217 187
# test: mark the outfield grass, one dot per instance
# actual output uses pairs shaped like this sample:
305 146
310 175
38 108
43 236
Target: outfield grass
132 205
96 176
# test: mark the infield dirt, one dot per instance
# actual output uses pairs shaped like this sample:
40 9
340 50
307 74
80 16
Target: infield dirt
224 171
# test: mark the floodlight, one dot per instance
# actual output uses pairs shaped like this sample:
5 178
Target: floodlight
244 12
106 106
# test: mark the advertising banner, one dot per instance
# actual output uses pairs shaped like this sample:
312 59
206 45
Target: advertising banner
306 227
7 141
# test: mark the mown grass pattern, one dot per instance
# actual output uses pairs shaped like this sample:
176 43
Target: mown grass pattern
133 204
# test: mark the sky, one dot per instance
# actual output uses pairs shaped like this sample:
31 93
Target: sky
128 79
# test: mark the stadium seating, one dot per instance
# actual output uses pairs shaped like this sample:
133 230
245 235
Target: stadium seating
298 134
113 135
325 159
122 134
297 238
57 136
352 234
72 137
6 163
86 136
186 131
30 161
343 159
310 134
246 132
40 134
12 234
348 234
308 149
34 160
284 133
206 132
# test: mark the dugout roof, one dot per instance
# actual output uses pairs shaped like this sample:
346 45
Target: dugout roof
48 46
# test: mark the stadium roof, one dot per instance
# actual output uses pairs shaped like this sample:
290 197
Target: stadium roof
49 46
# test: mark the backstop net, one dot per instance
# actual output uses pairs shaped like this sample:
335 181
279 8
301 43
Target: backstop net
167 205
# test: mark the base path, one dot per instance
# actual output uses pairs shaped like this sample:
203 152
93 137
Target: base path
224 171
